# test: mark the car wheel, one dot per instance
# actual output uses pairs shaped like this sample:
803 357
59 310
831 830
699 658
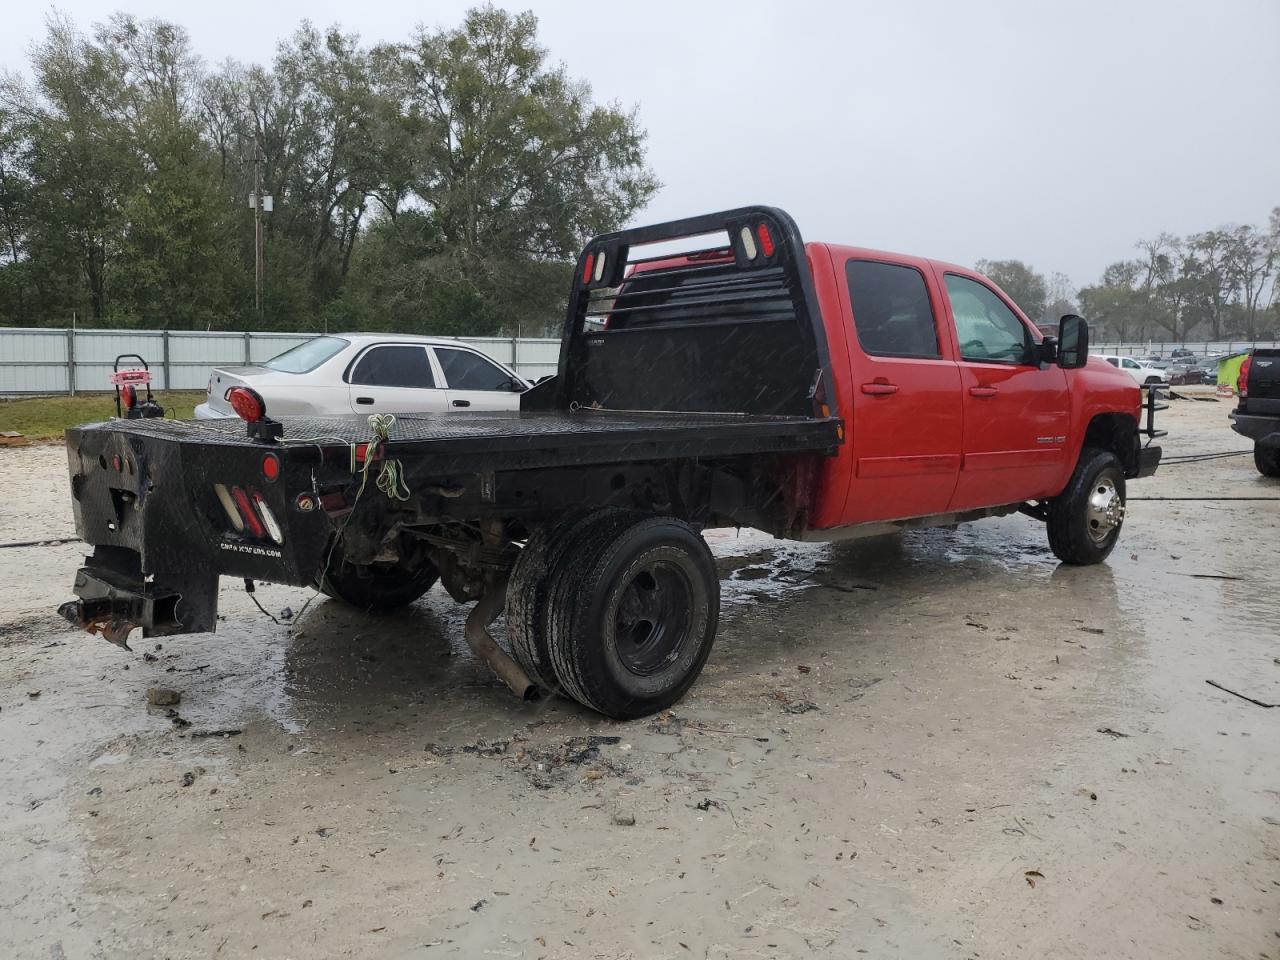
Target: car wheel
1085 519
1267 460
377 586
632 616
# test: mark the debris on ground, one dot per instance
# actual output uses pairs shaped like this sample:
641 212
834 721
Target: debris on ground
895 774
32 694
799 706
1256 703
667 723
1112 733
1031 876
545 767
624 818
163 696
177 719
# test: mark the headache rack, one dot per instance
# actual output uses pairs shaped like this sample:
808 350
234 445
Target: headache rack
727 324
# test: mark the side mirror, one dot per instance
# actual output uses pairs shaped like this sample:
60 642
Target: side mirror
1048 350
1073 342
516 386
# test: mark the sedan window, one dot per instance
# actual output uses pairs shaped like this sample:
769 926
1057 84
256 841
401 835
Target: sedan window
305 357
394 366
464 370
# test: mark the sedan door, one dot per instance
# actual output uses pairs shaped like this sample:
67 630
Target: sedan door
1016 409
475 382
395 378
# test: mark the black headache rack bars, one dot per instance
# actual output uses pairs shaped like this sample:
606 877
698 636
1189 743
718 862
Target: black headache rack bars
729 328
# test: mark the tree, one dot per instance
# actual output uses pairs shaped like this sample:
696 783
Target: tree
1023 285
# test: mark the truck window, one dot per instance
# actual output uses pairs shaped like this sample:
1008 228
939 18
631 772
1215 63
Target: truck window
989 331
464 370
891 312
394 366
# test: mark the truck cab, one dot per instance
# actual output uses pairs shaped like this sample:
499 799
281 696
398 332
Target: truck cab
953 400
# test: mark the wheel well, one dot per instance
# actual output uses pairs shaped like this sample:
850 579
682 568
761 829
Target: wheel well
1117 432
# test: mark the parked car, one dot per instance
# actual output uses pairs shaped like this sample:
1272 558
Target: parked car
1144 372
369 373
814 391
1188 372
1180 352
1257 414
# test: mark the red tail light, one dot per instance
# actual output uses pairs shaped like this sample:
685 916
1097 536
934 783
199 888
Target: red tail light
1242 381
247 513
586 267
271 467
247 403
766 239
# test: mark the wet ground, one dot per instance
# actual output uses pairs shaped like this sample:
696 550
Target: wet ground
940 745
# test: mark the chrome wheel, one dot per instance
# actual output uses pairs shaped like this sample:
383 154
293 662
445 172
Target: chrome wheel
1106 509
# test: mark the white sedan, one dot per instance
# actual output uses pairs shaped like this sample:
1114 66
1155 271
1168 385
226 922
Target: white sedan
370 373
1144 372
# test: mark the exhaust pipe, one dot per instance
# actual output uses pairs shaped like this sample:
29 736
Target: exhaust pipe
486 648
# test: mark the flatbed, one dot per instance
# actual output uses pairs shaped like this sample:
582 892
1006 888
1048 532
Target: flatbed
810 391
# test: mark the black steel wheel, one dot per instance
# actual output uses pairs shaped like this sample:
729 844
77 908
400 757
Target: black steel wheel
1085 519
378 586
1267 460
632 615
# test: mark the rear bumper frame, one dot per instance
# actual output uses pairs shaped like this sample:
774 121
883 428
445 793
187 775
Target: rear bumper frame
1260 429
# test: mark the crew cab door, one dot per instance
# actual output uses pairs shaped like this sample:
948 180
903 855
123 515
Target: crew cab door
476 382
395 378
906 422
1016 410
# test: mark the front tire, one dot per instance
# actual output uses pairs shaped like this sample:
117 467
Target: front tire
632 616
1085 519
1267 460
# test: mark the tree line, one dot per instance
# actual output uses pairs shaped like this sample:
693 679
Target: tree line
1216 285
444 184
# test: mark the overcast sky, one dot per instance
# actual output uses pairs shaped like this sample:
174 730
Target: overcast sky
1058 133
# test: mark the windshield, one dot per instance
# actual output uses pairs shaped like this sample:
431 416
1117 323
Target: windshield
305 357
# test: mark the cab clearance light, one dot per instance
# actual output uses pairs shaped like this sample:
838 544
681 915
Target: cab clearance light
766 240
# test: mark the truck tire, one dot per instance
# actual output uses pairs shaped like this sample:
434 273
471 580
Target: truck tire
1085 519
527 587
377 586
632 615
1267 460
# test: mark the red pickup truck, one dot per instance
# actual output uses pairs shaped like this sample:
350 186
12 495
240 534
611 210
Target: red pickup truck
813 391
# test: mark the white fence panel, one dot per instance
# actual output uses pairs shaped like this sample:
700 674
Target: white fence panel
34 361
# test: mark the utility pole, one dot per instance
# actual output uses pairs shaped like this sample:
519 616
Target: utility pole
257 229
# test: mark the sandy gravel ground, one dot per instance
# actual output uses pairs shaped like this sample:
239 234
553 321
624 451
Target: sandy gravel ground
944 745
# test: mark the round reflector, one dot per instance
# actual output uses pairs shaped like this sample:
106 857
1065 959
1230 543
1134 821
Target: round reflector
271 467
247 403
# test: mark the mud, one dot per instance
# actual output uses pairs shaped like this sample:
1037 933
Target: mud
939 745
